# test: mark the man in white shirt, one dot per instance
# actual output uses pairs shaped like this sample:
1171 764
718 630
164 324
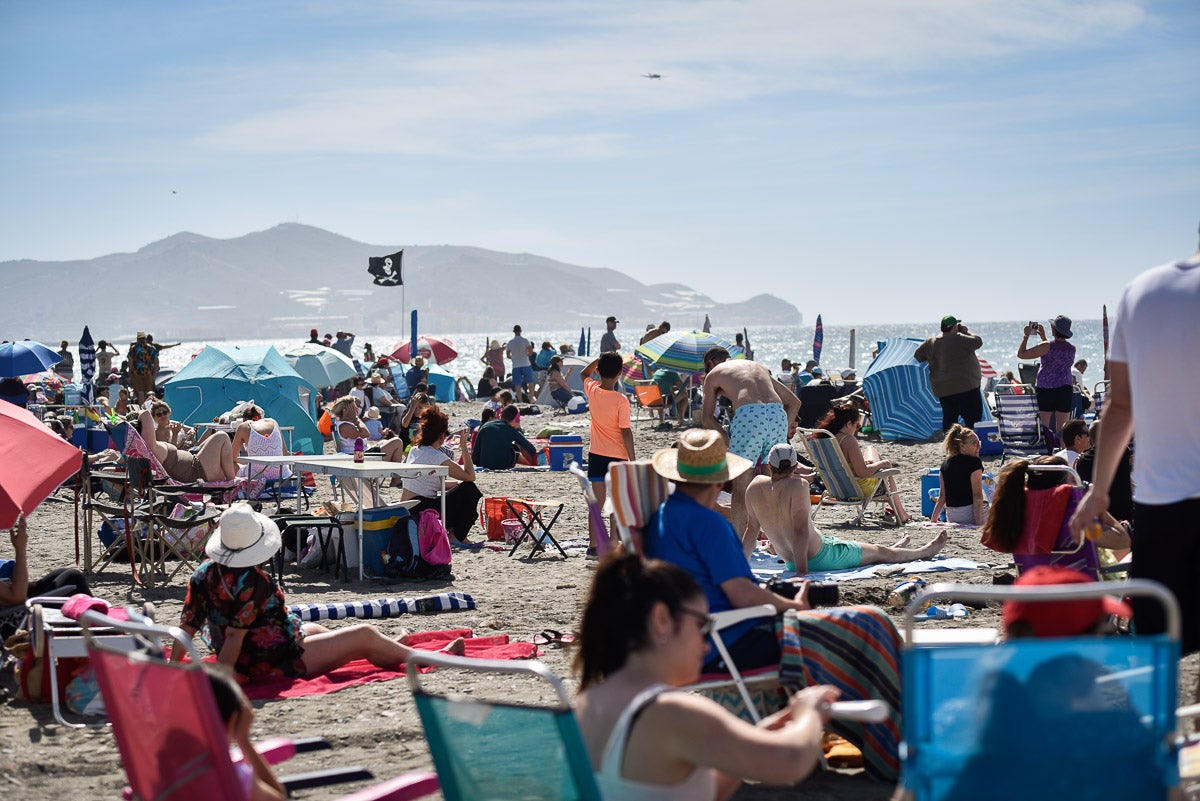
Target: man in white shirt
1157 328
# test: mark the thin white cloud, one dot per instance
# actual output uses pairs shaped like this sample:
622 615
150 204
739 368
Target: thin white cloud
563 89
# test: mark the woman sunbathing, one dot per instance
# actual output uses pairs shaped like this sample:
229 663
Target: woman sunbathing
644 633
211 463
843 421
247 622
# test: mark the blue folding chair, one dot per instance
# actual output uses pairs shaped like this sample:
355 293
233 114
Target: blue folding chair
1019 424
1074 717
500 750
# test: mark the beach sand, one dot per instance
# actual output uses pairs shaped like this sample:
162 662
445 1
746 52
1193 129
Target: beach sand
376 725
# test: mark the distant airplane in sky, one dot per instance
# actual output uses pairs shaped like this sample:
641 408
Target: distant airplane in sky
653 75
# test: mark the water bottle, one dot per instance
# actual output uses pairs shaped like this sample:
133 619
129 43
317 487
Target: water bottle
358 450
900 596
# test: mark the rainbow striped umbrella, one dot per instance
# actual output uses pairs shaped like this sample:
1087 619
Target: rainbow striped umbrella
634 369
680 350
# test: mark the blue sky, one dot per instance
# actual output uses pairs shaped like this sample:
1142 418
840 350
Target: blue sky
873 160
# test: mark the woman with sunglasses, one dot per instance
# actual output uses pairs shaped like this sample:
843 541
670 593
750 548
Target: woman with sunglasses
211 463
644 633
168 430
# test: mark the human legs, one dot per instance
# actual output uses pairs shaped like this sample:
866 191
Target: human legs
328 649
949 411
216 458
597 471
885 554
55 579
871 454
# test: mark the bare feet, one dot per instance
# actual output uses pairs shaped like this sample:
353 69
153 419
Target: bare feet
458 647
903 541
402 636
933 546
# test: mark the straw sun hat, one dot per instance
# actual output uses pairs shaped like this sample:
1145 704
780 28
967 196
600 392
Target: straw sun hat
699 457
243 538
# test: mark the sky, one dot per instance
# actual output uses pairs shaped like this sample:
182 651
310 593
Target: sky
873 160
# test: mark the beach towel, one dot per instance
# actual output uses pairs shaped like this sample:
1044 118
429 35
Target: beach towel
360 671
384 607
766 566
857 650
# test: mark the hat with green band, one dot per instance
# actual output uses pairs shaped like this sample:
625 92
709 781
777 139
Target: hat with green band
699 457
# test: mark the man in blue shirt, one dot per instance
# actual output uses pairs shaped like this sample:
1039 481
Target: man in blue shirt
688 531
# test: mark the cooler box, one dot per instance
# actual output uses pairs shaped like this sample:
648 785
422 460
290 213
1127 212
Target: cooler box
562 446
989 439
93 438
930 480
377 531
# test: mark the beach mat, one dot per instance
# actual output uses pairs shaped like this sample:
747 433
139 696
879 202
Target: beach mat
384 607
360 671
767 566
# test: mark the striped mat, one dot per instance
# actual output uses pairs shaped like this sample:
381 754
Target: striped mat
857 650
384 607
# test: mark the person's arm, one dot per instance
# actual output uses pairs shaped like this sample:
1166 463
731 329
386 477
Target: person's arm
524 444
356 430
854 455
240 438
708 417
177 654
13 592
1037 351
231 649
743 592
590 369
264 785
465 471
791 404
921 354
977 498
1114 437
936 514
627 436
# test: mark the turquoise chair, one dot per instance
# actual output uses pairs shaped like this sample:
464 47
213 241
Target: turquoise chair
499 750
1086 718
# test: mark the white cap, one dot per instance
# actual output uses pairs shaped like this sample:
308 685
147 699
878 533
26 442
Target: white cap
781 454
847 373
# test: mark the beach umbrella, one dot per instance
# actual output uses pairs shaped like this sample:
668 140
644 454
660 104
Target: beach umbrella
986 370
412 342
439 349
33 462
319 365
582 343
20 358
680 350
897 386
47 378
87 366
818 340
1104 325
707 325
633 369
852 349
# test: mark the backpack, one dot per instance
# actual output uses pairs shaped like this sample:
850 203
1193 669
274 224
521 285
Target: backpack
402 559
434 539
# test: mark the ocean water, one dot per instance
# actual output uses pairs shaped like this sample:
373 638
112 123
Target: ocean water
771 344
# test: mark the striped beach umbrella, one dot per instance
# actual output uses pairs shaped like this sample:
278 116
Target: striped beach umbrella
818 340
897 387
634 369
87 367
680 350
986 370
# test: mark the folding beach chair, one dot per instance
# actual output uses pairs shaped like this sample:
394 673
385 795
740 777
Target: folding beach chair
649 397
497 749
842 487
170 734
1019 425
1099 394
1073 717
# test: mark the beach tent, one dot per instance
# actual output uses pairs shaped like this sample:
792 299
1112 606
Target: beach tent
442 385
897 387
573 372
219 377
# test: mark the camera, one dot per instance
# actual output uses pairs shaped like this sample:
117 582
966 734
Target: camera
820 593
1033 324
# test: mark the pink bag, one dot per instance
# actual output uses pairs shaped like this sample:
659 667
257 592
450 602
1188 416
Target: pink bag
433 538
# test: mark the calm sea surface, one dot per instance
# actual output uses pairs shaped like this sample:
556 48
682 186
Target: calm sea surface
770 343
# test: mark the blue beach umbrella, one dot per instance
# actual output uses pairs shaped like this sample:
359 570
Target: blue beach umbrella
582 343
680 350
22 358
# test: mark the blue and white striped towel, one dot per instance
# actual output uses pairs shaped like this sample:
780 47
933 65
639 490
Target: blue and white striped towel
384 607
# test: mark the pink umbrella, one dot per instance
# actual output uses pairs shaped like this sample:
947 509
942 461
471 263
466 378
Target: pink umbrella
986 370
33 462
436 348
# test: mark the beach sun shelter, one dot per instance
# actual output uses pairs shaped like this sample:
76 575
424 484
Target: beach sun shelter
897 387
220 377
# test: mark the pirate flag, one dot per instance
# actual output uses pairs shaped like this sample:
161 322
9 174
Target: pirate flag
386 269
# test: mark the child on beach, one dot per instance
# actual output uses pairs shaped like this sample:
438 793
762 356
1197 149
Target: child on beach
611 438
960 480
257 778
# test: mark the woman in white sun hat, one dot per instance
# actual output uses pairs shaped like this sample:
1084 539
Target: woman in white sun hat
247 623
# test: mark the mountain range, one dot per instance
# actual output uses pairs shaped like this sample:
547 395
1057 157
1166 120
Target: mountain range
287 279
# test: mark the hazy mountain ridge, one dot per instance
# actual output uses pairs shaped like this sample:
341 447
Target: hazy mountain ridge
292 277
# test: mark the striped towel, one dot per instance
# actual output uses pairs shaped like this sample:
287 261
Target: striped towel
636 492
384 607
857 650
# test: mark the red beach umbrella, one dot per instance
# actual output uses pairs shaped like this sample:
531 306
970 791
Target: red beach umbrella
33 462
439 349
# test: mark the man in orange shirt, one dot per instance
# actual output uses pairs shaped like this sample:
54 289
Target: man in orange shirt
611 437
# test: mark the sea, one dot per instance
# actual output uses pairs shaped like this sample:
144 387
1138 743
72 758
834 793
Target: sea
771 344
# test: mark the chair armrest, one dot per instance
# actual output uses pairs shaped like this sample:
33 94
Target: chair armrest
891 471
417 784
731 617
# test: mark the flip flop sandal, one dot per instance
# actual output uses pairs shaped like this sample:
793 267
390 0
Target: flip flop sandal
552 637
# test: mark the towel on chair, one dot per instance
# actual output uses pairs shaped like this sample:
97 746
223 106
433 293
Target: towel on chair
857 650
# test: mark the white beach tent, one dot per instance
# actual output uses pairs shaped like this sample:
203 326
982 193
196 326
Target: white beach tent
573 372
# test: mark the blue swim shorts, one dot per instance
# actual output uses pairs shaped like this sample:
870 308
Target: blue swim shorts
522 375
755 428
835 554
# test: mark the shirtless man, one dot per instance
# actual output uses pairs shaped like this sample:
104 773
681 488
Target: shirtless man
764 414
779 506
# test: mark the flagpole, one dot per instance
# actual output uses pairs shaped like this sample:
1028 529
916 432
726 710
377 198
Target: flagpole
404 313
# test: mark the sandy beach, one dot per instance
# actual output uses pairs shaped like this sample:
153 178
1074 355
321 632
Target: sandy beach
376 725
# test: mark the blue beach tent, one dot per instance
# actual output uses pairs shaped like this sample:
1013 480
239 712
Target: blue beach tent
220 377
897 387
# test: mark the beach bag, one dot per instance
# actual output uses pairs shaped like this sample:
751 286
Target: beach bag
189 540
402 559
434 540
32 673
325 424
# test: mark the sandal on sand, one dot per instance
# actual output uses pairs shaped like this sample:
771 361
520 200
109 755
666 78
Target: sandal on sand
552 636
465 545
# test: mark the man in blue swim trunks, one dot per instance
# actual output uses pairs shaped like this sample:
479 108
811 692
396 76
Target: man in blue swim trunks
778 505
764 414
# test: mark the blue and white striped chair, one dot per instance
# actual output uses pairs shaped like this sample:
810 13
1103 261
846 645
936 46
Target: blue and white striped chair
842 487
1019 424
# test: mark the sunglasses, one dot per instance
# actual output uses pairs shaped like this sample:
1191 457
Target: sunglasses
162 414
706 621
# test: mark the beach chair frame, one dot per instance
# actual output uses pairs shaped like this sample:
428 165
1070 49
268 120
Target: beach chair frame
1019 424
841 485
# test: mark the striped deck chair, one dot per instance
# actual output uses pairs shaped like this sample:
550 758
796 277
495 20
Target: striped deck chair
1019 424
1099 394
635 492
842 487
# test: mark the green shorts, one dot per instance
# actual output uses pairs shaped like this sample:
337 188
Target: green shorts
835 554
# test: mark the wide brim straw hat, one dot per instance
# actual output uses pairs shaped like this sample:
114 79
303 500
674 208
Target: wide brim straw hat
699 457
243 538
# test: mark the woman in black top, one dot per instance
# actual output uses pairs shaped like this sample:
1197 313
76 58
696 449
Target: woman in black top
961 479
